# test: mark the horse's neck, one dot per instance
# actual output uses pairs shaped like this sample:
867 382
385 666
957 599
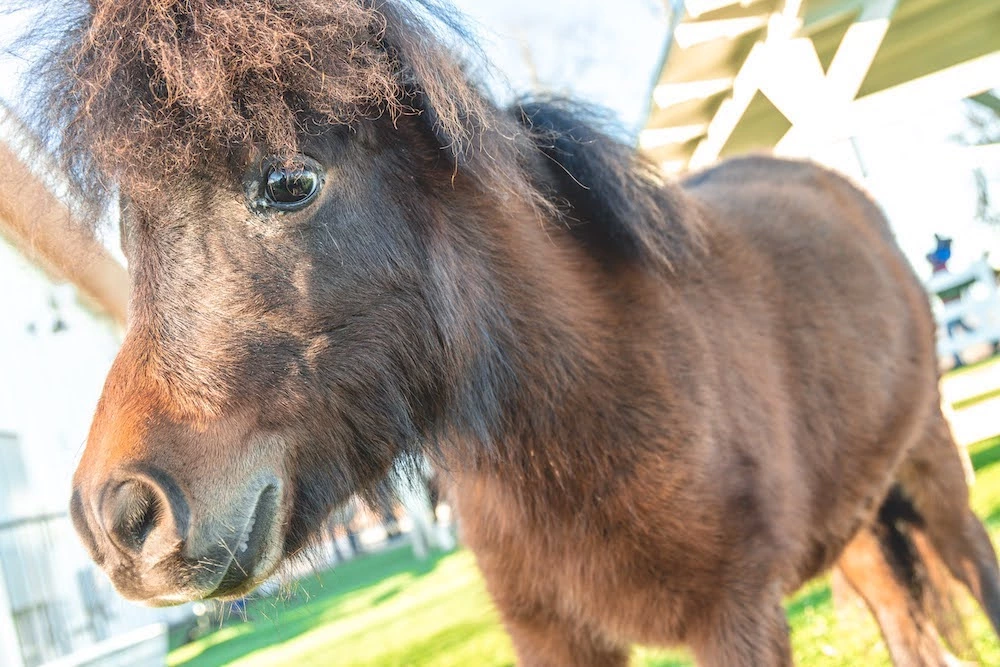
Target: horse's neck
567 412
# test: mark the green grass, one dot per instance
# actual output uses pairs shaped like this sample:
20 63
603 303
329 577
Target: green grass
388 609
384 609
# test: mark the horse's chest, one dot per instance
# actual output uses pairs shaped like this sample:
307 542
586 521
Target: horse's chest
595 573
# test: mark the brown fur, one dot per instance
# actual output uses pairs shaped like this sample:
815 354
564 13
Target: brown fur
663 406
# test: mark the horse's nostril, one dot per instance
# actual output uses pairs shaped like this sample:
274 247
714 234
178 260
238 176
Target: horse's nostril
131 512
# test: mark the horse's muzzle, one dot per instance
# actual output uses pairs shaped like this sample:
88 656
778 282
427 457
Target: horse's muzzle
162 545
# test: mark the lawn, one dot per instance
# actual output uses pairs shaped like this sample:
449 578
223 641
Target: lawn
388 609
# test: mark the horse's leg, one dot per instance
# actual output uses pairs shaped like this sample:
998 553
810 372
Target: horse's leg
880 564
542 640
940 599
748 634
933 479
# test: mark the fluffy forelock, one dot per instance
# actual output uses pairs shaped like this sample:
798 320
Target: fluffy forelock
142 89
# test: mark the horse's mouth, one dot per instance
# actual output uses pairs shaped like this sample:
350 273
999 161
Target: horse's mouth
253 555
257 551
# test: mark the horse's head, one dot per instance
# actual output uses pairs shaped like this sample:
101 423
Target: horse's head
297 304
280 353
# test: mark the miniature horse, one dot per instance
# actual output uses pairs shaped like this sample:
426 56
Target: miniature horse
662 406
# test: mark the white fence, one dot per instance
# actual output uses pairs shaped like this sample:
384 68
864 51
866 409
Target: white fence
145 647
55 606
966 307
37 610
45 621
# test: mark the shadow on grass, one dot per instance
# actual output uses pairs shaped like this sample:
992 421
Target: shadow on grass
388 595
277 618
818 597
985 454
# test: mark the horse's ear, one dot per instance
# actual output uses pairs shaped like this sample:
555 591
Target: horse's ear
418 102
434 82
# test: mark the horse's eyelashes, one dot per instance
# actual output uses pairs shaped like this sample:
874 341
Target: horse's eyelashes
288 185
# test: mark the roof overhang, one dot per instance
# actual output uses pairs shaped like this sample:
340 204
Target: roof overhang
44 229
743 75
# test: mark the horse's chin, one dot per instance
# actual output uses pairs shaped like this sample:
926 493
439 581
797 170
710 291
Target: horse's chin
235 583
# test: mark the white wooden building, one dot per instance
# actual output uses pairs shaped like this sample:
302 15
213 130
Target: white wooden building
62 305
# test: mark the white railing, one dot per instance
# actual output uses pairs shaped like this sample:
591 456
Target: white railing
145 647
33 604
973 317
53 613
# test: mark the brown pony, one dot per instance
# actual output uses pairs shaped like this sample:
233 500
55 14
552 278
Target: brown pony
662 407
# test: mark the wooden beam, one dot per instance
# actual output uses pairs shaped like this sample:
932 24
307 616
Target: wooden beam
955 83
691 33
814 99
730 111
858 47
671 94
698 7
793 80
663 136
673 166
781 26
42 227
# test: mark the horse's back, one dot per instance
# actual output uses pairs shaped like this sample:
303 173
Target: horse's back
849 378
826 259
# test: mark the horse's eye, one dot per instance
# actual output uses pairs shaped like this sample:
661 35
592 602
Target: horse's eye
290 186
